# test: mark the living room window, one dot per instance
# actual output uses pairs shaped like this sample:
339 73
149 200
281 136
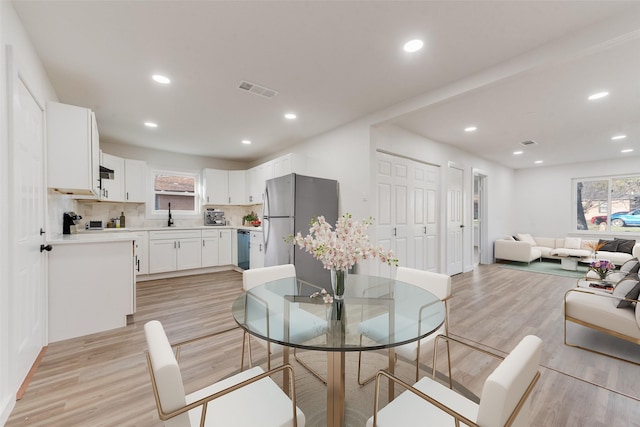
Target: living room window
179 189
608 204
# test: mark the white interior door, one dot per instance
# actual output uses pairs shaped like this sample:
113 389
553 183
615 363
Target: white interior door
406 221
455 216
28 289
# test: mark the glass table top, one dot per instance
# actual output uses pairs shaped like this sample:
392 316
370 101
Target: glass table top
375 313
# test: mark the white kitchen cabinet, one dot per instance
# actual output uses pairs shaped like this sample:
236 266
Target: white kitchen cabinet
141 253
289 163
135 172
255 184
256 250
210 248
73 152
216 187
216 247
91 288
174 250
238 187
225 255
113 189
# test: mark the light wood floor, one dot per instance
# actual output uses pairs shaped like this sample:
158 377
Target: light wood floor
101 380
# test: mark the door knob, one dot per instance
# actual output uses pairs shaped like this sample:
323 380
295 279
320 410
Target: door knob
45 248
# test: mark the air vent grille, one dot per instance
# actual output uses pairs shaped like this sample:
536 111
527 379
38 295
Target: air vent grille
255 89
527 143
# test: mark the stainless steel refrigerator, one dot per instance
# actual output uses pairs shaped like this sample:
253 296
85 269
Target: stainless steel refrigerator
290 202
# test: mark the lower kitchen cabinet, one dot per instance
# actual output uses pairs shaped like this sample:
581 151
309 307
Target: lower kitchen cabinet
174 250
256 250
91 288
141 253
216 247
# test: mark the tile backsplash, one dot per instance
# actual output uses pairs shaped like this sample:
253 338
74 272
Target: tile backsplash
135 214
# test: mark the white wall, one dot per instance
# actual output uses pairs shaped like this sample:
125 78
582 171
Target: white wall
542 204
27 62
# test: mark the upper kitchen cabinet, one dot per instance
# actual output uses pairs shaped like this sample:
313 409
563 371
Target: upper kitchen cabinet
134 180
216 187
255 184
223 187
113 187
238 187
72 139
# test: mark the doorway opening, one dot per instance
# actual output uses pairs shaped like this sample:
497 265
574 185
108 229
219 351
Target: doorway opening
479 217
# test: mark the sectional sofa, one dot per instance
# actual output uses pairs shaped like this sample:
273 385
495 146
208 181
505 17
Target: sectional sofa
526 248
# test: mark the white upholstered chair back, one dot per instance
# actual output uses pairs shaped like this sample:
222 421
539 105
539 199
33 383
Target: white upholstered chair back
436 283
257 276
167 373
504 388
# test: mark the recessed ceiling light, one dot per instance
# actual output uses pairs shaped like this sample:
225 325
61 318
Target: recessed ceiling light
470 129
627 150
290 116
161 79
537 162
518 152
617 137
598 95
151 124
413 46
246 141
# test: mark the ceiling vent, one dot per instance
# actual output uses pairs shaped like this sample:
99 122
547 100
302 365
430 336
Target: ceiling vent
527 143
255 89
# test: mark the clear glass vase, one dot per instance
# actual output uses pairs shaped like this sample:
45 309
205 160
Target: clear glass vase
338 282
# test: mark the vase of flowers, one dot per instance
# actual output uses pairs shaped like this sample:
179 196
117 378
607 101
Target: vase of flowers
338 280
340 248
602 267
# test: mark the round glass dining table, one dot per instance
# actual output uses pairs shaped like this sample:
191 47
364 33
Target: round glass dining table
292 313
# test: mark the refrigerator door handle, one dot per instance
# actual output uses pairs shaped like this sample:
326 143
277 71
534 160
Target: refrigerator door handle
265 218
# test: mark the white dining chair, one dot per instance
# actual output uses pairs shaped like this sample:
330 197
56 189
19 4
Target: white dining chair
503 400
246 399
317 326
376 327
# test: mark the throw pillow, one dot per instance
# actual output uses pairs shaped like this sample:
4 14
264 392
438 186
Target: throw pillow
630 267
627 287
625 246
509 238
608 245
515 238
526 238
572 242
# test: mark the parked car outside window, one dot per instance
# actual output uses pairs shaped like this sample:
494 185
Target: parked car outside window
626 219
598 219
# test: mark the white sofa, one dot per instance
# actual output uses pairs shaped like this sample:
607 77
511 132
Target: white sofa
529 248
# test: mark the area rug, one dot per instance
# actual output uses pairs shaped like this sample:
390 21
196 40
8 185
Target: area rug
547 267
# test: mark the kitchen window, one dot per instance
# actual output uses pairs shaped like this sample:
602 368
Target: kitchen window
179 189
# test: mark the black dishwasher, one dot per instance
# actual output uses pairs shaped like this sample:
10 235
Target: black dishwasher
243 249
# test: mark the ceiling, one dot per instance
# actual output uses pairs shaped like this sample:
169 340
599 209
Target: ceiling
332 62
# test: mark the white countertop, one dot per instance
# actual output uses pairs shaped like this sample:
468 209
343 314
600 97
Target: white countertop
119 234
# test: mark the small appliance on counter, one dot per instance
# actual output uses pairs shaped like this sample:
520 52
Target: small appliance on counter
69 219
94 225
214 217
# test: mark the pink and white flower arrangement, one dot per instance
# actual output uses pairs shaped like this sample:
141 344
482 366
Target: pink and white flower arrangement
342 247
602 267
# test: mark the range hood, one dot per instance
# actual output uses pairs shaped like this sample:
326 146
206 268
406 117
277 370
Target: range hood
106 173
